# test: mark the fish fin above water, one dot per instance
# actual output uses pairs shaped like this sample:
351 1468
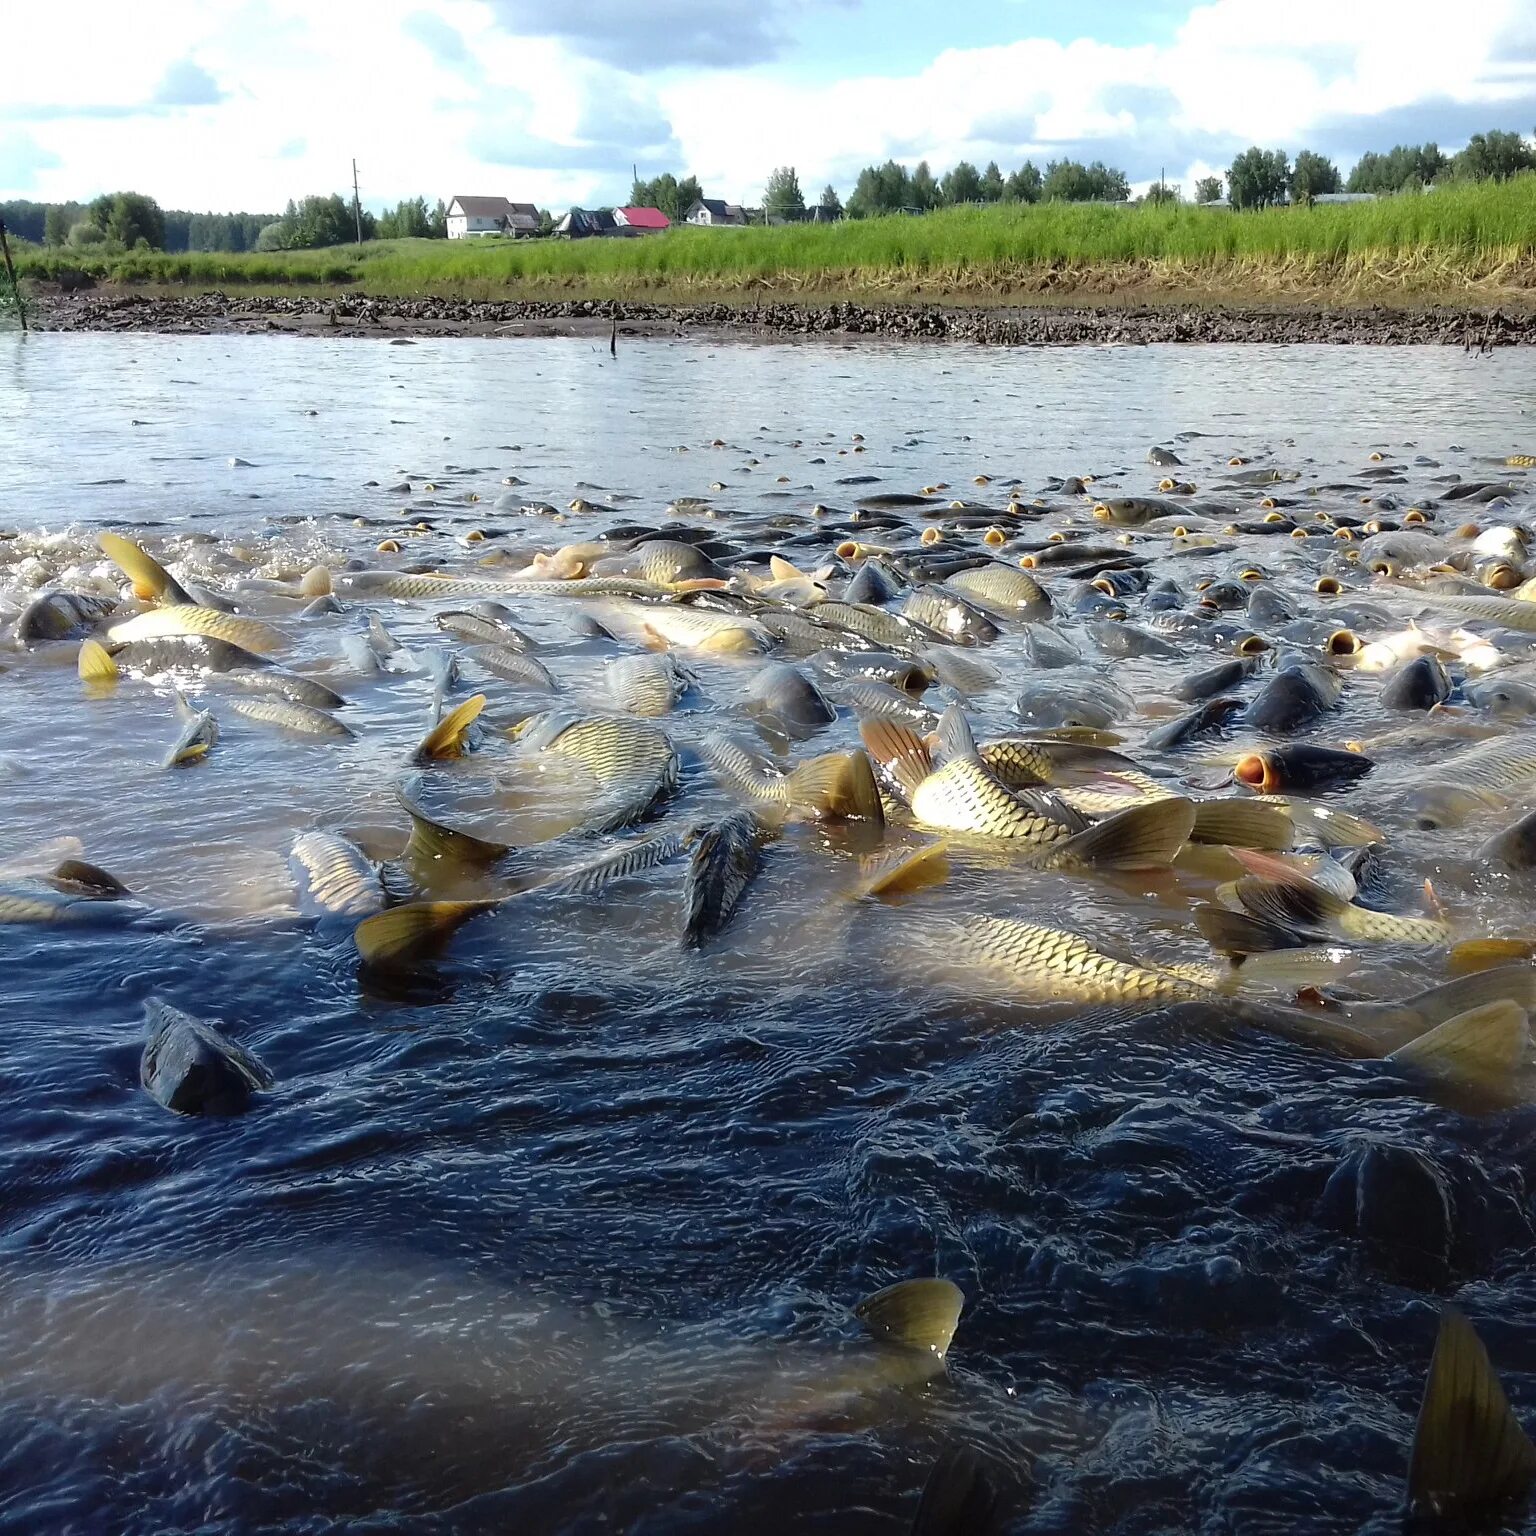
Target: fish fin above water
1242 934
1144 837
432 841
1481 1048
955 738
783 570
1470 1456
835 786
1473 955
958 1499
915 1314
79 876
900 752
1297 903
165 1020
1415 1015
903 873
95 664
406 932
150 579
447 737
1243 824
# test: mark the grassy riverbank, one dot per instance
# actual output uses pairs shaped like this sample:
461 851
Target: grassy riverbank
1477 239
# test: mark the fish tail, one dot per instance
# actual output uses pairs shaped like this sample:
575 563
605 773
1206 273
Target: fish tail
150 579
907 872
446 738
1144 837
916 1314
96 664
958 1499
836 786
1479 1048
899 751
1470 1454
403 933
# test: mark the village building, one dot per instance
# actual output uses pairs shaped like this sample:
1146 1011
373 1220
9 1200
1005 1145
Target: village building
710 210
469 216
644 221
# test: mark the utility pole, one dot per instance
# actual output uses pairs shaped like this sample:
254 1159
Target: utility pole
357 206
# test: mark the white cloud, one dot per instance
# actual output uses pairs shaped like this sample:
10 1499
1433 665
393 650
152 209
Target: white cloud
441 96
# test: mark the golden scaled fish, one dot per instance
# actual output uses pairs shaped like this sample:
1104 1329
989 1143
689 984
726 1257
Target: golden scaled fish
1307 907
335 877
184 619
693 629
648 685
633 761
301 719
963 795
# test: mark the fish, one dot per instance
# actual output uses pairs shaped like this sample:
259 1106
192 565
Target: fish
183 619
623 862
694 629
199 734
301 719
632 760
1002 588
195 1069
335 877
963 795
725 857
1418 684
398 936
1308 907
1479 1050
648 685
488 623
514 666
60 616
1301 768
958 1499
783 695
433 845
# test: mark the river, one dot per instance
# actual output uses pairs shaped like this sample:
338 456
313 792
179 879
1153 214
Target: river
534 1241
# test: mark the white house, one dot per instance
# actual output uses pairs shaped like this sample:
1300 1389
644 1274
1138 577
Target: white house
490 216
710 210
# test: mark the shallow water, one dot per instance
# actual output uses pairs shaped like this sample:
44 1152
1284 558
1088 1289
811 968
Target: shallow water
563 1237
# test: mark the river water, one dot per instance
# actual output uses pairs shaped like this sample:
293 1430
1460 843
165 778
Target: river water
562 1235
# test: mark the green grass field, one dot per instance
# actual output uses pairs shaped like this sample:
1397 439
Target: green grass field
1475 235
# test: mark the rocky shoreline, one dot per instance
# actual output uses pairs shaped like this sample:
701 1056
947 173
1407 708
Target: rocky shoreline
405 319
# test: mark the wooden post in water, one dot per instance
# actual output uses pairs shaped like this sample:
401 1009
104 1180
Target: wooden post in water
5 250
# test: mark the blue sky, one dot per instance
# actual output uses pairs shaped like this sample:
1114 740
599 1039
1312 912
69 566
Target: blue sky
245 103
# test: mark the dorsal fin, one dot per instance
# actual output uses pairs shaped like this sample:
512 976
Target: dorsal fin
915 1314
955 739
902 873
782 570
1470 1456
1144 837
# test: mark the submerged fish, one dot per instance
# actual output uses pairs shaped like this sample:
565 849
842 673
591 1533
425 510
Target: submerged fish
725 858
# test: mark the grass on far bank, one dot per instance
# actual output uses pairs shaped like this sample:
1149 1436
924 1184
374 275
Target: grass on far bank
1478 236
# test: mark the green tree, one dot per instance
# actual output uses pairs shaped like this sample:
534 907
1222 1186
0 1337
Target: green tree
1069 181
924 189
1311 175
992 183
56 224
407 220
437 225
962 184
1257 178
127 218
1494 156
782 195
1164 192
1208 189
831 201
1024 185
1402 166
86 233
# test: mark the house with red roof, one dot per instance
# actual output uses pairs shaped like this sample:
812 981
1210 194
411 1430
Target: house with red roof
644 221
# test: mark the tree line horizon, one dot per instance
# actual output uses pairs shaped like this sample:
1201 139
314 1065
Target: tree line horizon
1256 178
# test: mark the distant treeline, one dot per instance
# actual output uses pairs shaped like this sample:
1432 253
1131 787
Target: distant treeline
180 230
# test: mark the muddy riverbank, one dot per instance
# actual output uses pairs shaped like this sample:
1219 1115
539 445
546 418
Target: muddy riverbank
390 318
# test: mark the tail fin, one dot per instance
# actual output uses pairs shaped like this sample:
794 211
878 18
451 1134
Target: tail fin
1243 824
903 873
955 738
96 664
958 1499
837 786
1414 1016
1470 1456
1144 837
433 842
149 577
404 933
915 1314
899 752
1478 1049
446 738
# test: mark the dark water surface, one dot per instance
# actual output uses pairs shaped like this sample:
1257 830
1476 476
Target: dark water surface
564 1238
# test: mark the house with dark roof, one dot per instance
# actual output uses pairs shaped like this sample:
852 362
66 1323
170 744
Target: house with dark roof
710 210
641 221
580 223
469 216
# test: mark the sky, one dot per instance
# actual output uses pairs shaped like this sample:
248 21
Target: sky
242 104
